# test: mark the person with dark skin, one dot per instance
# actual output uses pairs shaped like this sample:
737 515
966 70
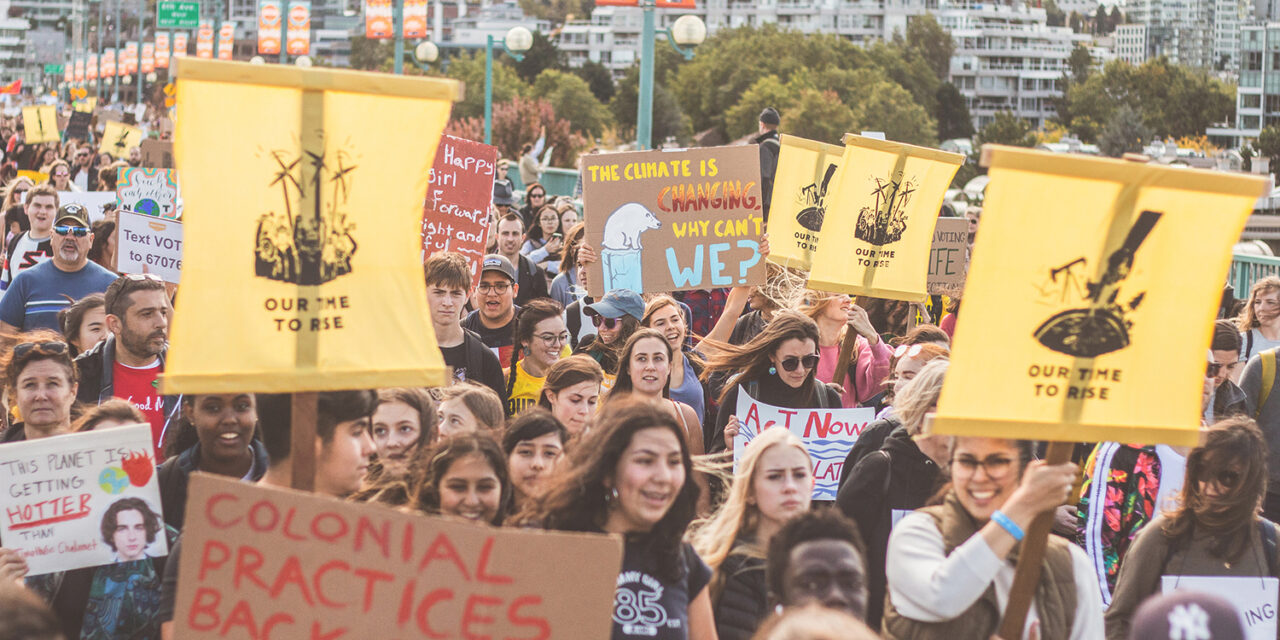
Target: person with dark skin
817 558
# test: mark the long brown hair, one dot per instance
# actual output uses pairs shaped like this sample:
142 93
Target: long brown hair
424 484
623 384
1264 285
752 358
1233 446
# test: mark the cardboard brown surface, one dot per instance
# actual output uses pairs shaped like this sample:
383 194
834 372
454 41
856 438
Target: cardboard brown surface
157 154
949 257
674 220
312 567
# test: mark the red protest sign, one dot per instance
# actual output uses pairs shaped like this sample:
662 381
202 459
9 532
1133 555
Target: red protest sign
272 563
456 214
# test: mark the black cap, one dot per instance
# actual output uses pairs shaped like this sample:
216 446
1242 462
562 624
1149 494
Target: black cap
770 116
73 211
1186 614
502 193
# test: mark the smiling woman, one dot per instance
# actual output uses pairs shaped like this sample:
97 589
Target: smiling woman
466 477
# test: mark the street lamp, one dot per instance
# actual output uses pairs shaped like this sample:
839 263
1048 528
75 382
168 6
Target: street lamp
257 60
303 61
687 31
517 41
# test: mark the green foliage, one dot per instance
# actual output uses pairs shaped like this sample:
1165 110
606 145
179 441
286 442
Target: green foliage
1269 146
1055 17
542 55
886 106
599 79
1006 128
668 119
469 68
571 99
557 11
934 44
1080 62
908 68
744 117
371 55
1173 100
517 122
819 115
954 120
1125 133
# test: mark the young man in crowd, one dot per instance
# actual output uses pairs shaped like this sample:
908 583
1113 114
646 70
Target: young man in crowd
1228 398
38 293
126 363
448 278
494 319
817 558
35 245
531 278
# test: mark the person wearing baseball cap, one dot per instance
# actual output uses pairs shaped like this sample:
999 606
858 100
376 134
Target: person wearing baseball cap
38 293
494 318
1186 614
616 316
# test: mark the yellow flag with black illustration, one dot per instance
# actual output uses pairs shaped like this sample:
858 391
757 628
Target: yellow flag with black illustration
1090 300
878 227
303 193
118 138
40 124
806 171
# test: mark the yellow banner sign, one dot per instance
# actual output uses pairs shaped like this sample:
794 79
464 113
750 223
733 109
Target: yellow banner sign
1090 299
881 217
118 138
302 267
806 174
40 124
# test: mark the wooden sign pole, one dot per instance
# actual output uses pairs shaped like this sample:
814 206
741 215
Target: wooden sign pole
302 440
847 354
1031 558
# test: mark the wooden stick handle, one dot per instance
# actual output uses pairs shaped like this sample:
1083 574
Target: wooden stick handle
1031 558
847 354
302 440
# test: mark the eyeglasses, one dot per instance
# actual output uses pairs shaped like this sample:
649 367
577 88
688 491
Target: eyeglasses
52 347
996 466
64 230
607 323
553 338
537 195
790 363
908 350
499 288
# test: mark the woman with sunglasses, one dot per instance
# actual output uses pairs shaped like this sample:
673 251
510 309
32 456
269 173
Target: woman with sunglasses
535 198
777 367
540 340
838 319
1214 531
616 317
950 567
60 176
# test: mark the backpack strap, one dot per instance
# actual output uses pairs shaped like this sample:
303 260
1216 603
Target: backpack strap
888 473
1267 533
1268 379
1248 341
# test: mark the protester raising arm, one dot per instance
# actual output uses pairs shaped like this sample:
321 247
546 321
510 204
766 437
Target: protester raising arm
838 320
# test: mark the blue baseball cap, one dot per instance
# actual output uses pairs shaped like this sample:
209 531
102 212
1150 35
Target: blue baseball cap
618 303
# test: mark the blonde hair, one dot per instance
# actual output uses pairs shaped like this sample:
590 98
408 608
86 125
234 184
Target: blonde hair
813 622
920 394
713 538
1247 318
815 303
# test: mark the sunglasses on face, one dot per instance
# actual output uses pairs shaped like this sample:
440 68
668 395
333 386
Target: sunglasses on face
790 363
607 323
64 230
52 347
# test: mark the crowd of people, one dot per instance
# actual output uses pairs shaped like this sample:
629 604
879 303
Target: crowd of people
617 415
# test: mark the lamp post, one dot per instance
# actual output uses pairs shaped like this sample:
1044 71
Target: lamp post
688 31
517 41
142 13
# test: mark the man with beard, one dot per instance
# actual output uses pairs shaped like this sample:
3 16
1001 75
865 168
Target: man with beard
127 363
38 293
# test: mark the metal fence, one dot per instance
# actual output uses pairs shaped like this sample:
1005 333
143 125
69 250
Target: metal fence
1247 269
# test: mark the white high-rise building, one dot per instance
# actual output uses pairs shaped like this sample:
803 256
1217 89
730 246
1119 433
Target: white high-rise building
1131 43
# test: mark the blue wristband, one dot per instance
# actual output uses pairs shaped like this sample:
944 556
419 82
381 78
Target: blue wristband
1008 525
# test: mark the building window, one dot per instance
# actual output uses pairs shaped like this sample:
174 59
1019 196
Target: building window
1250 101
1253 61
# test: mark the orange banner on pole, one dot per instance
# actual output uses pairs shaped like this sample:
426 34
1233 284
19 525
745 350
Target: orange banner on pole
79 70
299 43
204 39
180 45
148 61
269 27
91 67
377 20
131 58
162 50
108 66
226 40
415 19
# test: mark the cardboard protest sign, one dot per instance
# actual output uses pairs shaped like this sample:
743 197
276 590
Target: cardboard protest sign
1253 597
949 257
674 220
77 126
312 237
35 176
456 216
884 205
95 201
118 138
40 124
324 568
61 490
157 153
1067 310
828 434
806 171
147 244
153 192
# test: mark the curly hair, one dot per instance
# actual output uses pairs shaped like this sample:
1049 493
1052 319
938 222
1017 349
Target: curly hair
110 519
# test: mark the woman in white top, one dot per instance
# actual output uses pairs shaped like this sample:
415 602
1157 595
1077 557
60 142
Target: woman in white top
943 561
1259 321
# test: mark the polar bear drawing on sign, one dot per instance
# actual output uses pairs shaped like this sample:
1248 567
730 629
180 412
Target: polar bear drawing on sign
623 227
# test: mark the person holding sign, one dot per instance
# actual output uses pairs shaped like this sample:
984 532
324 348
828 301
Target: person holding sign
836 316
630 477
950 568
777 367
616 318
1215 531
773 483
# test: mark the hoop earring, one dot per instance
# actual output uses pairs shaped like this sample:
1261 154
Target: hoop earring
773 371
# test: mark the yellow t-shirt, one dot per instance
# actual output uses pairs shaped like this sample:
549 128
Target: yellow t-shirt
525 392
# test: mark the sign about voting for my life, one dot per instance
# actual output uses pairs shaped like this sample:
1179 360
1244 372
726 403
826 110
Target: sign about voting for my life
828 434
62 493
1087 317
949 257
674 220
264 563
456 215
148 244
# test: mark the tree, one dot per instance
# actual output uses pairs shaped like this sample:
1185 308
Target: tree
1173 100
1076 22
517 122
1054 17
934 44
1006 128
886 106
743 118
542 55
954 120
1080 62
469 68
371 55
819 115
668 121
1269 146
571 99
599 78
1125 132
